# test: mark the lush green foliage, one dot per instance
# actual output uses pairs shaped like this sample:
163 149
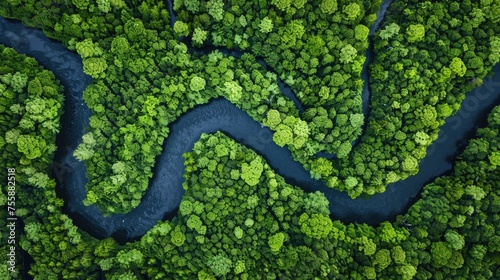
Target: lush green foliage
31 102
238 219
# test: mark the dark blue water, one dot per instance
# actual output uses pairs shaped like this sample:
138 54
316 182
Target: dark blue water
165 190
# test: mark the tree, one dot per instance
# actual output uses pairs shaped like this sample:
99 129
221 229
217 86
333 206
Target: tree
382 258
238 232
316 202
199 36
233 91
344 149
192 5
135 30
301 128
103 5
87 48
239 267
361 32
351 11
328 6
398 255
275 241
251 173
476 192
197 83
348 53
389 31
494 158
220 264
410 164
357 120
266 25
216 9
415 33
95 66
441 253
282 5
272 119
194 222
315 225
494 56
389 234
458 67
407 271
31 146
35 88
321 168
128 259
456 240
181 28
120 45
315 45
422 138
350 182
370 273
283 135
177 237
18 81
291 33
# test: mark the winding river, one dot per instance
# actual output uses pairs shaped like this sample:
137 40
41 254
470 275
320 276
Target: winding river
165 192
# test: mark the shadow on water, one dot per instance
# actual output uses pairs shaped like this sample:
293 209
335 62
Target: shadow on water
165 192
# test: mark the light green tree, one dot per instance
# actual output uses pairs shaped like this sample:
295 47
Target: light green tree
328 6
283 135
233 91
238 232
458 67
361 32
199 36
321 168
275 241
197 83
410 164
315 225
87 48
216 9
348 53
95 66
181 28
32 147
476 192
282 5
220 264
272 119
351 11
382 258
456 240
177 237
494 158
266 25
251 173
415 32
104 5
192 5
389 31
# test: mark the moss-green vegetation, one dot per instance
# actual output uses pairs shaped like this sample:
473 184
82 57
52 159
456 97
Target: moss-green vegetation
227 227
238 219
31 103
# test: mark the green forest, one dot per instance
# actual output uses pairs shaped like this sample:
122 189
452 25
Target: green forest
238 218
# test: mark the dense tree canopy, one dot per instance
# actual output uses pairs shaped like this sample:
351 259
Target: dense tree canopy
239 219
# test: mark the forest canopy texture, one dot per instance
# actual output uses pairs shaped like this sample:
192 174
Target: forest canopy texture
238 218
